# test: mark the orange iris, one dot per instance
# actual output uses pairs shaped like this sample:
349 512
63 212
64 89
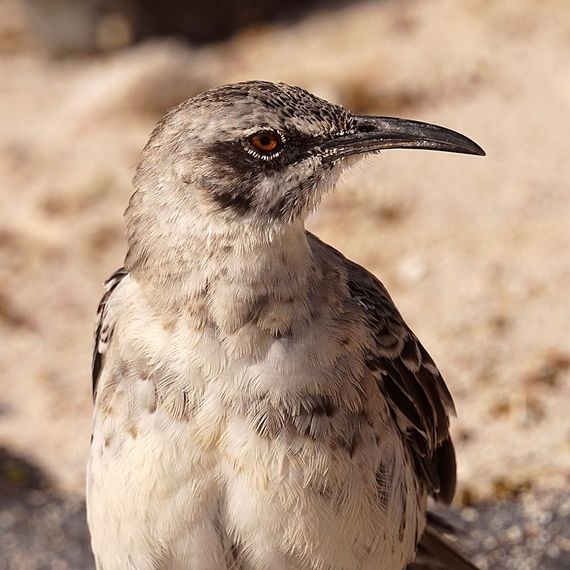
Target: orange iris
265 142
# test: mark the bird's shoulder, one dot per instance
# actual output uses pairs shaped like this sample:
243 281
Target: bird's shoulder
103 326
418 398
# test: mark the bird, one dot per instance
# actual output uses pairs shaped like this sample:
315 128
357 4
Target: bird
259 400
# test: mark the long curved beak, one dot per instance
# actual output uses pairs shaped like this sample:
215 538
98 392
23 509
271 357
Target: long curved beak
373 134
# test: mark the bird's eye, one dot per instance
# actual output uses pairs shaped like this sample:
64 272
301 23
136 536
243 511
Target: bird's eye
266 142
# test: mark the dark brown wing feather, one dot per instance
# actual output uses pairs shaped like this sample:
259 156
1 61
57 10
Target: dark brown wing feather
420 404
417 395
408 378
102 331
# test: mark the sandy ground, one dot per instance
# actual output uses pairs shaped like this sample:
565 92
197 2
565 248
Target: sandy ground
474 251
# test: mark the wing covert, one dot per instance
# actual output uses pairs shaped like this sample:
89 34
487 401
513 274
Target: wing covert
103 332
409 379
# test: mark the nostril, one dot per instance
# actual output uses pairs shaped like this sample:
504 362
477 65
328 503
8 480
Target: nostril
366 128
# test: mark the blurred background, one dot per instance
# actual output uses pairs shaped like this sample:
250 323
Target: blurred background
474 251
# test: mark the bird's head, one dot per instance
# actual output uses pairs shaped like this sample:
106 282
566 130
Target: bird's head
260 155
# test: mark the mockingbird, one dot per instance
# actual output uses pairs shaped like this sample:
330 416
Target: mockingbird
260 402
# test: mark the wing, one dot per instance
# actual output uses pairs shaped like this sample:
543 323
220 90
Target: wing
420 404
103 332
419 400
409 379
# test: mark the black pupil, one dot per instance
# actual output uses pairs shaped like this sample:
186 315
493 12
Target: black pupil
266 140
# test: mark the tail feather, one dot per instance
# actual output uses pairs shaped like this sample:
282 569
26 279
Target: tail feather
436 552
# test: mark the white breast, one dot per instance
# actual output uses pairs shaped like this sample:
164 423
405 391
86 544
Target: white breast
178 473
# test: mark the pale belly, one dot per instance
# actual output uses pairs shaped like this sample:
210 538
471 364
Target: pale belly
208 492
206 459
153 503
